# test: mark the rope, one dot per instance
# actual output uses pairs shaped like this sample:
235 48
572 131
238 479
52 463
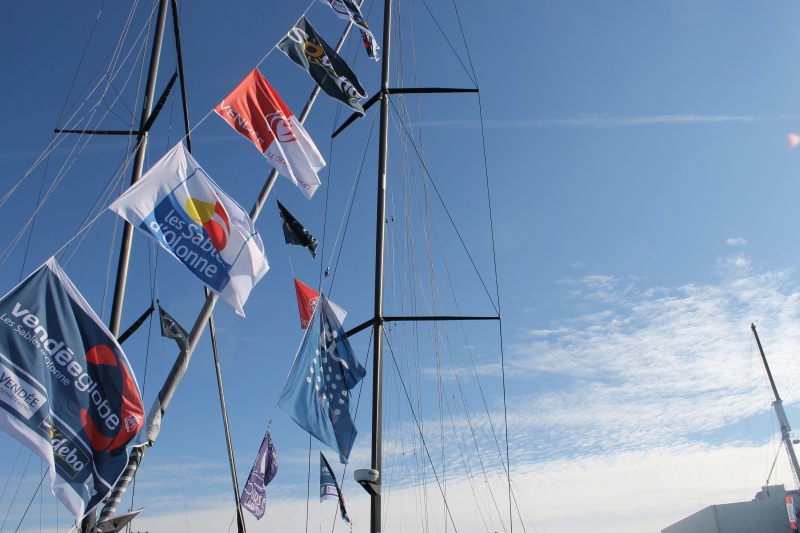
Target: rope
349 208
449 216
39 486
419 429
22 477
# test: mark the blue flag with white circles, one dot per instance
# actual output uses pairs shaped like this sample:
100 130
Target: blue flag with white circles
317 392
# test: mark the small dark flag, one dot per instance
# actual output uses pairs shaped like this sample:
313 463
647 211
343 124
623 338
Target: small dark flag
304 46
348 10
254 495
295 233
329 487
172 330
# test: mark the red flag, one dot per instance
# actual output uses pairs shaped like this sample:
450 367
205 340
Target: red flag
255 110
307 299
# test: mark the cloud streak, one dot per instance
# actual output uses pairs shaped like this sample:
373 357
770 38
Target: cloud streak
605 120
653 402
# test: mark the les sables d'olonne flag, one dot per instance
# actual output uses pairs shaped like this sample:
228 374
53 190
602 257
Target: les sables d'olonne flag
255 110
180 206
317 391
304 46
67 391
307 299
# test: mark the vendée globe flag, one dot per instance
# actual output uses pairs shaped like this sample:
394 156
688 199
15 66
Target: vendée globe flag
67 391
179 205
256 111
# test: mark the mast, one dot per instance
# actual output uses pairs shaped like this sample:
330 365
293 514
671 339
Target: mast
380 234
779 412
180 365
89 522
138 164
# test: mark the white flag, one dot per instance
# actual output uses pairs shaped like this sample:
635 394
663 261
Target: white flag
255 110
180 206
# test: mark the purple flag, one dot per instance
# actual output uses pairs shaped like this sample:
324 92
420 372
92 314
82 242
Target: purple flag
254 495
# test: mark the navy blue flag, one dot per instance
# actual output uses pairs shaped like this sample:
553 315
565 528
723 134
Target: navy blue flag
254 495
67 391
295 233
304 46
317 391
170 329
349 10
329 488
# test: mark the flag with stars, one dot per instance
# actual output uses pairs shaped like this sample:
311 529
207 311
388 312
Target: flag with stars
295 233
317 391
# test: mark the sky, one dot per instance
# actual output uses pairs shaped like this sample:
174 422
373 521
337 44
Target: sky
643 214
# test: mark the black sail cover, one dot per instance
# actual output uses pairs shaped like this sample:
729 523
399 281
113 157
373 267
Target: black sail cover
306 48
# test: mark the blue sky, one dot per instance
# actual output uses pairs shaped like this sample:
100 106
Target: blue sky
644 207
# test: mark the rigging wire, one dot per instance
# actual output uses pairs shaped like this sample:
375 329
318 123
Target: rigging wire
345 223
24 514
449 216
69 161
16 492
13 467
416 421
502 363
109 76
494 259
433 17
435 331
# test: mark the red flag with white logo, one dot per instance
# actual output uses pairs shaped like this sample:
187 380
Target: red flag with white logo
307 299
255 110
790 511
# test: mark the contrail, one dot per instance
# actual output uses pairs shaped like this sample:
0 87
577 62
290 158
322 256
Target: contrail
597 121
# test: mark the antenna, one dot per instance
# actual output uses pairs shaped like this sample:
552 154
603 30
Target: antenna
786 429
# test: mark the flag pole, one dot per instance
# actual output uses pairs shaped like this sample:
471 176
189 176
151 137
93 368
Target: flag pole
138 164
175 376
380 235
242 528
783 421
89 522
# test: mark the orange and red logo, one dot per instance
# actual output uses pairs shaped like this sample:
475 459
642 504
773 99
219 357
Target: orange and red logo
213 218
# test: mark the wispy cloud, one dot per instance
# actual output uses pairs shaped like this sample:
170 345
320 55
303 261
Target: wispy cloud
605 120
647 390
